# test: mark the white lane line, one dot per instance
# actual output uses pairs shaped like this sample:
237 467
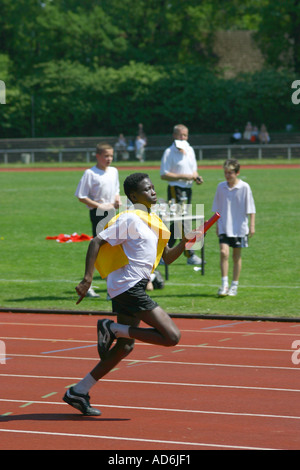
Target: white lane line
202 364
171 410
54 325
93 343
51 340
151 382
201 330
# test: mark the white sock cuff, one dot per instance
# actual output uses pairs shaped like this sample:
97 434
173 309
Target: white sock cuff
85 384
119 330
225 281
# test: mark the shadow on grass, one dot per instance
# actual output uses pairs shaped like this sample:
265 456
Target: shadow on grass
69 295
37 298
166 297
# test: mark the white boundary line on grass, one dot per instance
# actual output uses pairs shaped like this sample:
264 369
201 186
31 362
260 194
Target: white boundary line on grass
169 283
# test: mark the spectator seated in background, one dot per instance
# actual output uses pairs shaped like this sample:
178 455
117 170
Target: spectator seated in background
263 135
121 148
248 131
236 137
254 134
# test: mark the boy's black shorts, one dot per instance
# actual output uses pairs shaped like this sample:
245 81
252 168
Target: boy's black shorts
134 300
234 242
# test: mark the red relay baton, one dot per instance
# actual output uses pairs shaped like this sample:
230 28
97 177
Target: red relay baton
207 225
211 221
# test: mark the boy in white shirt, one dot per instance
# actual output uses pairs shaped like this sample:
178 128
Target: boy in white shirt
99 190
235 203
126 252
99 187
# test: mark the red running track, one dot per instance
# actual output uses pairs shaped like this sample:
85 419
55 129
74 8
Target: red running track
227 385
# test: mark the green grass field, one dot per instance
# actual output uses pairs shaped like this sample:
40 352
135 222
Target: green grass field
41 274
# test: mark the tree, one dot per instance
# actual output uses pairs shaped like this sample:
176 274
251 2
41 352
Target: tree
166 31
33 33
99 67
278 33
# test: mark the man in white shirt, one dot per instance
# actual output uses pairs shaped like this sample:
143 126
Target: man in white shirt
140 144
179 168
234 202
99 190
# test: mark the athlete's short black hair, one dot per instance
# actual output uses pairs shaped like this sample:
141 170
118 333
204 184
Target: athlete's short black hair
132 181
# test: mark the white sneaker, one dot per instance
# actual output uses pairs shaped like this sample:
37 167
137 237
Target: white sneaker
92 293
194 259
232 291
223 292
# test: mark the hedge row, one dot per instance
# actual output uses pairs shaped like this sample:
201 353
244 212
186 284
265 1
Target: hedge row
68 99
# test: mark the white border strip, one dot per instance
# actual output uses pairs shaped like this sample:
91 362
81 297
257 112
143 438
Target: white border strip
59 281
133 439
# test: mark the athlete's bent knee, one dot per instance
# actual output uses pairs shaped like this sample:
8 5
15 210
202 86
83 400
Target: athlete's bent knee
126 346
173 338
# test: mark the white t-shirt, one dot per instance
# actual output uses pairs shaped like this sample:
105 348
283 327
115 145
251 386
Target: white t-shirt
234 205
140 144
139 243
99 185
174 161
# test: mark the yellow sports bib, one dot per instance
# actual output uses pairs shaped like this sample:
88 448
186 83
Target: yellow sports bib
110 258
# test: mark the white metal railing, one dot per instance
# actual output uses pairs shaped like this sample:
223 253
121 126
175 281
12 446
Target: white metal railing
28 154
259 148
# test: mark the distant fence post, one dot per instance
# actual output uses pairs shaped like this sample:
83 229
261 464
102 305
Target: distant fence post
259 153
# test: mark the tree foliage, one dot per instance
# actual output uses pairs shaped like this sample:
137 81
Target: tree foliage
100 66
278 33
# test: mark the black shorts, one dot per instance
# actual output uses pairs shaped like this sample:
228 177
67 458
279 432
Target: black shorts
175 192
134 300
234 242
96 219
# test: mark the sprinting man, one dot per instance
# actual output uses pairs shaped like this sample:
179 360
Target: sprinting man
234 201
126 252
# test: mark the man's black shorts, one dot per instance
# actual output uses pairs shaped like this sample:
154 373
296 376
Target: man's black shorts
234 242
134 300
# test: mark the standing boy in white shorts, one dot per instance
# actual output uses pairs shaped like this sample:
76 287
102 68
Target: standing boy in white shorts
99 187
99 190
235 203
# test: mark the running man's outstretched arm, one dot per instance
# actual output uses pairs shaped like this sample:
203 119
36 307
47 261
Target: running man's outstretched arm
171 254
